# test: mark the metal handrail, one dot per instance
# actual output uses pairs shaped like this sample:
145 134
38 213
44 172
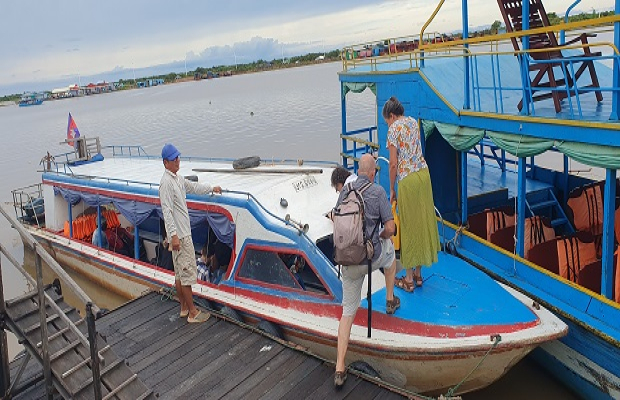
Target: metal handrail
32 243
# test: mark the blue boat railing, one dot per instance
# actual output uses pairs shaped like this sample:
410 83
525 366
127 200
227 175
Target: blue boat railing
354 145
29 198
129 151
488 85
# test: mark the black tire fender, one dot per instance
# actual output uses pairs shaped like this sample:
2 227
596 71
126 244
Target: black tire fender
230 313
246 162
365 368
270 328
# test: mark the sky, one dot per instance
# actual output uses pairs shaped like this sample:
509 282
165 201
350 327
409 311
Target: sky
53 43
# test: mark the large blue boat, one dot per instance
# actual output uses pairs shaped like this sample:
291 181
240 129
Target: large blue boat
507 119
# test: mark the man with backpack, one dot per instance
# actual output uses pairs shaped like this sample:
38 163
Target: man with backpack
368 201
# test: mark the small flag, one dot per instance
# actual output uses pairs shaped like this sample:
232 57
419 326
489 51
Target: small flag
72 131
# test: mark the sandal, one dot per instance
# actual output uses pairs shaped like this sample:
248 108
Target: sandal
403 284
340 378
418 280
392 305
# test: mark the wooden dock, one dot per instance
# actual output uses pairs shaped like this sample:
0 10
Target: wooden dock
217 359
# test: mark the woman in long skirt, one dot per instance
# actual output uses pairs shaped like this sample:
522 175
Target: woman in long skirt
419 237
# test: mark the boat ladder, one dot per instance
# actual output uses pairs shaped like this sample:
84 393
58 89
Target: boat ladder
545 203
70 358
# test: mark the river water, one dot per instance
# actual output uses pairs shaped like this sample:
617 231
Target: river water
292 113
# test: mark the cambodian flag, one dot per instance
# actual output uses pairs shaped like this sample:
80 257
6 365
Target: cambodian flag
72 131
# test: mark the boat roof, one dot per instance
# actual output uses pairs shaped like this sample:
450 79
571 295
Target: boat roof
305 188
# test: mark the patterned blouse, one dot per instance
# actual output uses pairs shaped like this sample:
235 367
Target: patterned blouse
404 134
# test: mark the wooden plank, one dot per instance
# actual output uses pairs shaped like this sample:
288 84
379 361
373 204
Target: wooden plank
139 351
193 371
243 364
165 315
310 382
283 360
291 378
387 395
363 391
147 318
173 348
126 312
326 389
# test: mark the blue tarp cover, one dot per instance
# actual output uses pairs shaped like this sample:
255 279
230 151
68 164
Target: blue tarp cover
137 212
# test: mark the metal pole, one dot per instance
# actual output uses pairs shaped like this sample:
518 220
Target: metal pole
47 370
30 241
521 207
466 89
609 204
94 357
343 122
463 187
5 376
70 220
615 95
136 242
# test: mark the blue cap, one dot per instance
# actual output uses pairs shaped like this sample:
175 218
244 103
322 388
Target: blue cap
169 152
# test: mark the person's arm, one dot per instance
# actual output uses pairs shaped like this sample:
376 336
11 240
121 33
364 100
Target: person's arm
393 171
385 212
166 198
200 188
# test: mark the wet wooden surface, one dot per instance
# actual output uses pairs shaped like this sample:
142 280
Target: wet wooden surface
213 360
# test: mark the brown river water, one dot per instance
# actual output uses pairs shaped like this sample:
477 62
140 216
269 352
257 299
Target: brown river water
292 113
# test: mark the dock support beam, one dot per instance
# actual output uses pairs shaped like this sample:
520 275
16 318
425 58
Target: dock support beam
5 376
521 193
609 203
463 187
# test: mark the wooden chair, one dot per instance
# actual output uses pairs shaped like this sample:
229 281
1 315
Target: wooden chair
512 12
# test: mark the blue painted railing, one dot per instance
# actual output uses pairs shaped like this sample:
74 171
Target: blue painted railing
354 146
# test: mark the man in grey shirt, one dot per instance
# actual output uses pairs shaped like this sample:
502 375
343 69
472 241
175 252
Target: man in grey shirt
377 211
172 192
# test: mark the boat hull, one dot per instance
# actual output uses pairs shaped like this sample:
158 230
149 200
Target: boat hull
586 359
420 370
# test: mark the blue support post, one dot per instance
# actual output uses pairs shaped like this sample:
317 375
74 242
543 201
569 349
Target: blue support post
343 121
525 70
615 95
565 179
70 221
99 226
466 88
609 205
463 187
136 242
521 208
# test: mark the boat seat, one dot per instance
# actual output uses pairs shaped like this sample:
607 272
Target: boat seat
477 224
537 230
575 252
545 255
499 218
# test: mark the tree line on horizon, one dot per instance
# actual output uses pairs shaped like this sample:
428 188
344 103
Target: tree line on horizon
334 55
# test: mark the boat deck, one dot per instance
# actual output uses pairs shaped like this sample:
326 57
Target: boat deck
490 178
217 359
496 86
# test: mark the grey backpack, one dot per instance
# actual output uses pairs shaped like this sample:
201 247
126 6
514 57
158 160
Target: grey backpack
351 247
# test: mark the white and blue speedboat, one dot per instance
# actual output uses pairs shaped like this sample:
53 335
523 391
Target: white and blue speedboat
461 331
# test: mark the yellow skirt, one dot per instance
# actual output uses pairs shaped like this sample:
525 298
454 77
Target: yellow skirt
419 238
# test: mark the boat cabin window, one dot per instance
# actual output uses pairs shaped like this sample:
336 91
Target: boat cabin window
287 269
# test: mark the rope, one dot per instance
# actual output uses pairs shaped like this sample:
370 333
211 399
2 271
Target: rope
497 338
455 240
168 293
